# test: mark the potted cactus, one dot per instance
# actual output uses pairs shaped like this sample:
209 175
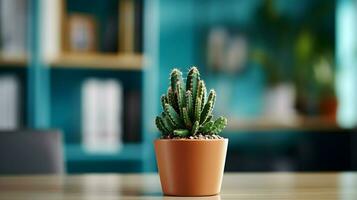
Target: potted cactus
190 154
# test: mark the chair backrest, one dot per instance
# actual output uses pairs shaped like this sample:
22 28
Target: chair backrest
31 152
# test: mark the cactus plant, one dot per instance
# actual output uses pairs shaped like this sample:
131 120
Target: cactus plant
186 112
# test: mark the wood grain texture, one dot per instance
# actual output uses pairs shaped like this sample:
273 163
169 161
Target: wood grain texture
17 61
99 61
134 186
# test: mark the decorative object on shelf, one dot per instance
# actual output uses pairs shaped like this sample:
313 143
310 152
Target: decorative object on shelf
226 52
95 34
13 23
190 153
280 103
9 102
324 79
102 116
132 116
81 33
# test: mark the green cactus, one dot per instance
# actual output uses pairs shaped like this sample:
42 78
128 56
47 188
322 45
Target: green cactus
186 118
195 128
209 118
193 78
189 104
219 125
163 101
181 132
187 112
198 109
203 94
175 78
160 125
167 122
173 117
180 94
208 108
171 99
205 128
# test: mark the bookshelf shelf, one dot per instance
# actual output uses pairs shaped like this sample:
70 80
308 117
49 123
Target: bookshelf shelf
299 124
99 61
18 61
128 152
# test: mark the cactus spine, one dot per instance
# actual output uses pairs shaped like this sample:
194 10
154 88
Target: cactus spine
187 112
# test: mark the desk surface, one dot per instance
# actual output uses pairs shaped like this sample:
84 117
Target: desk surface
136 186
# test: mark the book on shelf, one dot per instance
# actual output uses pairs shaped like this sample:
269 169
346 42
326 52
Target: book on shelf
138 27
102 110
13 28
132 116
9 102
109 40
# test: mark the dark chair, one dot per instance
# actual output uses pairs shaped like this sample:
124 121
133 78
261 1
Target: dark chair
31 152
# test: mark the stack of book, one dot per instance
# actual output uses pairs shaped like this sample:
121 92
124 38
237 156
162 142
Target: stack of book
102 102
9 102
13 22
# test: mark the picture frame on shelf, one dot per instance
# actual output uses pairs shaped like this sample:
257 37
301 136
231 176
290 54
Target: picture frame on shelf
81 33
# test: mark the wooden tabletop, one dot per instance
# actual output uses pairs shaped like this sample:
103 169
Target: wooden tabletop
147 186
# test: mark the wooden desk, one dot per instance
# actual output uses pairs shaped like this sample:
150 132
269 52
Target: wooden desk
136 186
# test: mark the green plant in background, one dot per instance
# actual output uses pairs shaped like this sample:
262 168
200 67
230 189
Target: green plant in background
186 112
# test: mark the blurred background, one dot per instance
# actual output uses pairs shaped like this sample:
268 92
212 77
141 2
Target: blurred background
285 74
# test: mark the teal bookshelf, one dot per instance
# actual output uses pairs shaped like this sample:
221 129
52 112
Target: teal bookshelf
128 152
51 89
127 160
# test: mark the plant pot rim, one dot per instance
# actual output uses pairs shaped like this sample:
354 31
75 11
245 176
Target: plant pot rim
191 140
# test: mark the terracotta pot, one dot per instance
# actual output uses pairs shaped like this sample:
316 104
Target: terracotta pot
191 167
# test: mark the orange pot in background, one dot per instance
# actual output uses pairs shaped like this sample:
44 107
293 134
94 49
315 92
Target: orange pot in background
191 167
328 108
